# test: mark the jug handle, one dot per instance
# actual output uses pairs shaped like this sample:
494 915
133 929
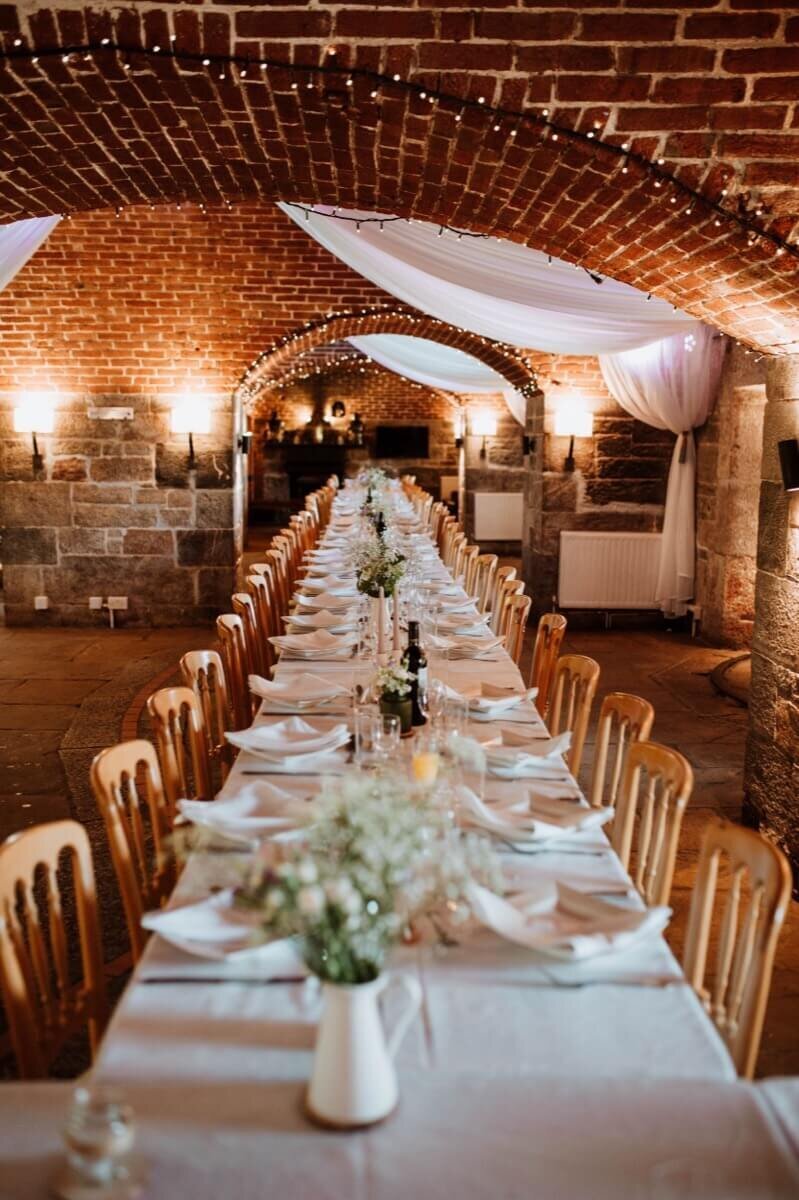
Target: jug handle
413 990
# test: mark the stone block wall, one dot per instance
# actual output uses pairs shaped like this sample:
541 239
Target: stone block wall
728 486
771 785
619 477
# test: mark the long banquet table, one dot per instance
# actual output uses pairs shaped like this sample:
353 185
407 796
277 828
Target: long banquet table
520 1076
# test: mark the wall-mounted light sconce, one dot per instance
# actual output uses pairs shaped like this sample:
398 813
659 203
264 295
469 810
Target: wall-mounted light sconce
35 414
338 410
573 423
191 415
245 441
484 425
528 445
789 464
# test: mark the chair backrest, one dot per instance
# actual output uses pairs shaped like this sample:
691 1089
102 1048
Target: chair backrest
508 588
485 566
261 588
500 575
455 546
181 739
623 720
277 560
230 631
243 605
514 624
755 908
469 567
44 1004
655 789
126 781
548 641
574 688
202 671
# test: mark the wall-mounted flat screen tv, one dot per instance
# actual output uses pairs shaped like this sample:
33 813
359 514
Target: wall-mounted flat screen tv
402 441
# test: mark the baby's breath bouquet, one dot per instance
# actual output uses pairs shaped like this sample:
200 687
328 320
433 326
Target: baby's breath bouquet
393 682
374 861
378 566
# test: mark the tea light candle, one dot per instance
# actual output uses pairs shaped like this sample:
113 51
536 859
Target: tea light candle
424 767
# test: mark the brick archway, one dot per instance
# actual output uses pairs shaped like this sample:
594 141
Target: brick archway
272 363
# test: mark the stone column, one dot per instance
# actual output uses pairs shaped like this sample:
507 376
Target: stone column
771 788
536 579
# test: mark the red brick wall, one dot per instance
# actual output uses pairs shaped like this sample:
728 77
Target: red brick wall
709 89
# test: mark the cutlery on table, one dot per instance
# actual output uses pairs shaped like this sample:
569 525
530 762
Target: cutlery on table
173 979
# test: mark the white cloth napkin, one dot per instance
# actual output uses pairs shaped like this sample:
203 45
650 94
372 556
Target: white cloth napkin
335 622
336 585
300 691
553 747
468 647
321 644
324 600
290 739
555 920
506 762
492 702
516 826
215 929
258 811
552 816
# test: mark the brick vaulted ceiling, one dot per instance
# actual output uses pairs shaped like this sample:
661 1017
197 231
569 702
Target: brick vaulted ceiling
707 94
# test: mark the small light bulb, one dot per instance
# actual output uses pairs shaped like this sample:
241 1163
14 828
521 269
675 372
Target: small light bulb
396 78
105 41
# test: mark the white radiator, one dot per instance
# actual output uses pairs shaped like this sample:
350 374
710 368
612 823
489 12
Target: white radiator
498 516
608 570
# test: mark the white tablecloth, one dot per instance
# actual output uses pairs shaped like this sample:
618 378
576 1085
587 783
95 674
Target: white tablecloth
509 1139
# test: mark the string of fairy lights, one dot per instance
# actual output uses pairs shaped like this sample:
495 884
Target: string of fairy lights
258 377
502 120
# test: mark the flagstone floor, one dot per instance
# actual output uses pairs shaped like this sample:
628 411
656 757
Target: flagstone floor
64 694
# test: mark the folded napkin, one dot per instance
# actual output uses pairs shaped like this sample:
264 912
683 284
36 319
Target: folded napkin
552 815
324 601
299 691
288 740
506 762
324 619
258 811
467 616
556 920
494 701
215 929
321 644
553 747
515 826
469 647
335 585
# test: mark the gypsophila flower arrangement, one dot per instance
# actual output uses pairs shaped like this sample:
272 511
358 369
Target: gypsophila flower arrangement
374 861
378 567
393 682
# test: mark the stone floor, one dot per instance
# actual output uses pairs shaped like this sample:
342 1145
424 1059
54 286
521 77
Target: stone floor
65 694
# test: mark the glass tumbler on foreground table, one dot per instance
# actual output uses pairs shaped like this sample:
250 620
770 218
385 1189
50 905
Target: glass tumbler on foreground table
387 738
99 1134
366 726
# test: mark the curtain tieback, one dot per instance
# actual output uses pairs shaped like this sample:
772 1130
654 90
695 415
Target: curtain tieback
684 445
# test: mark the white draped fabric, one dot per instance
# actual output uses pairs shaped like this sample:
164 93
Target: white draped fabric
19 241
494 287
671 385
437 366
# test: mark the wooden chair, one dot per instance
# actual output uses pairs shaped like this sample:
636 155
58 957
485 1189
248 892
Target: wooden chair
182 742
507 589
255 643
127 785
655 789
514 623
500 576
44 1004
485 566
574 688
757 901
468 566
548 641
202 671
623 720
263 597
230 631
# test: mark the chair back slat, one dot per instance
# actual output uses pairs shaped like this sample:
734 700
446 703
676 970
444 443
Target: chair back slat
574 688
485 567
202 671
548 640
517 610
754 911
230 631
654 792
623 720
182 741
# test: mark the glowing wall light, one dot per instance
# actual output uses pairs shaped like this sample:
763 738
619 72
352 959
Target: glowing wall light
35 414
191 414
572 422
484 425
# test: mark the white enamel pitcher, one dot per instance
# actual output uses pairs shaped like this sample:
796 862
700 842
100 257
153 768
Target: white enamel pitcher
354 1082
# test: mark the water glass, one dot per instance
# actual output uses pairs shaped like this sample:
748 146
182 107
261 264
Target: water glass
387 738
366 723
99 1134
426 758
456 715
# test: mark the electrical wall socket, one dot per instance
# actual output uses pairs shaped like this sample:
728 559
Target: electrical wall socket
95 602
41 603
117 602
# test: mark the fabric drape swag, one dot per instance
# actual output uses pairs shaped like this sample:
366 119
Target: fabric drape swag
437 366
495 287
671 384
18 241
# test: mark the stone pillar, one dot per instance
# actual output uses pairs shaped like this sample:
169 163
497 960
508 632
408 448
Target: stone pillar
535 577
728 485
502 469
771 786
